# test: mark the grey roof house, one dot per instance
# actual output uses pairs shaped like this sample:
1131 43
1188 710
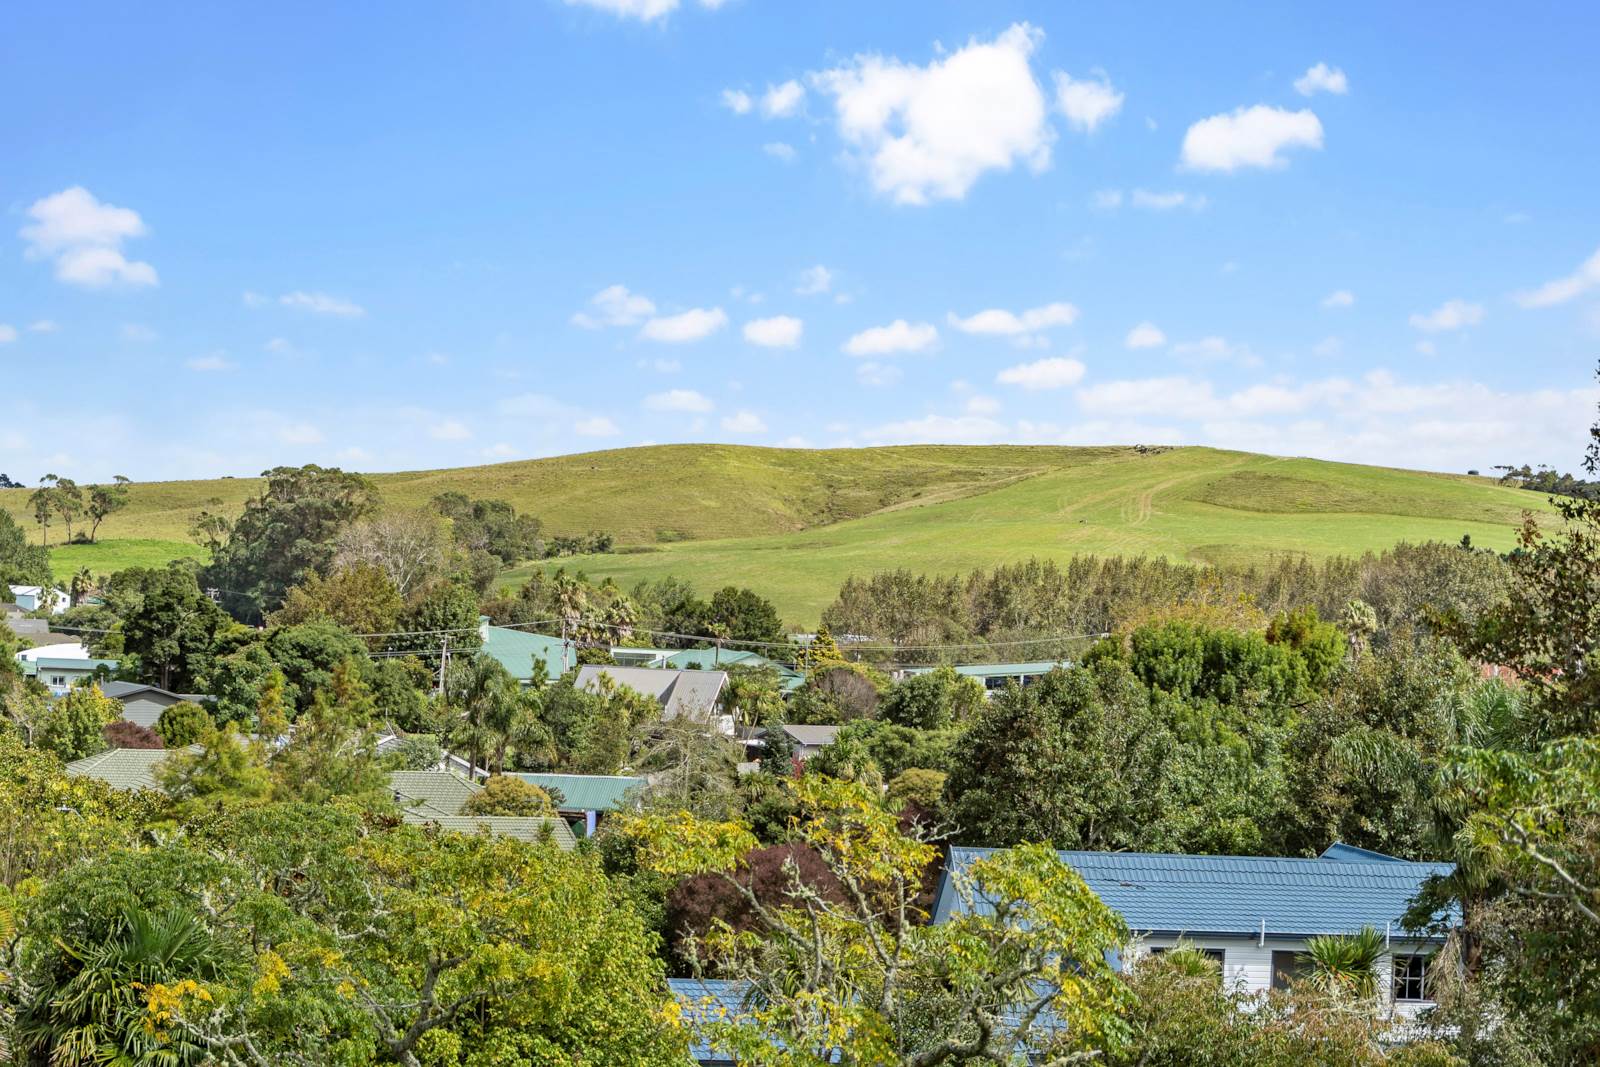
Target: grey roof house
143 704
679 692
126 769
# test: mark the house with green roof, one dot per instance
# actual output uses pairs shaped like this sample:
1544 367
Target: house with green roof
124 769
517 651
532 829
432 792
998 675
588 796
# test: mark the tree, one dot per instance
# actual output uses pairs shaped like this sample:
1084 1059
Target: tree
166 621
1360 622
1078 759
934 700
72 726
125 734
508 795
68 501
43 502
286 533
745 615
20 562
863 981
183 724
333 750
1347 964
487 700
408 546
359 597
105 500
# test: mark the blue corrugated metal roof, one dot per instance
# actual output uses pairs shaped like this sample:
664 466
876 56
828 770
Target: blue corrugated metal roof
1176 894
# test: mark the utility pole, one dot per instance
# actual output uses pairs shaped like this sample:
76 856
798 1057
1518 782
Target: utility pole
563 645
444 660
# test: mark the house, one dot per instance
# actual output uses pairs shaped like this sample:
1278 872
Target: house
703 1000
37 597
431 793
532 829
588 796
809 740
714 659
998 675
143 704
124 769
627 656
1253 915
61 666
517 650
679 692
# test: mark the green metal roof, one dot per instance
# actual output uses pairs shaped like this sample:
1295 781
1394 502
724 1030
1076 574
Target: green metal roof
123 768
431 792
516 650
32 666
999 670
531 829
587 792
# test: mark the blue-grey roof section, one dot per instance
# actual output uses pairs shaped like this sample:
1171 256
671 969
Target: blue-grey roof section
707 1000
588 792
1339 852
1241 896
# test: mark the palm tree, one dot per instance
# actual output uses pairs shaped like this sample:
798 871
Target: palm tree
83 584
89 1009
485 694
1347 964
1360 622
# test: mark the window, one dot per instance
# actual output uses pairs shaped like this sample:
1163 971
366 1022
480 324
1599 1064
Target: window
58 680
1289 967
1411 978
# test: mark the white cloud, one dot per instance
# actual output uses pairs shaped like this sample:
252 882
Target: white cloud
737 101
614 305
693 325
8 333
322 304
1056 373
43 326
943 429
84 239
1559 291
780 331
300 433
499 450
783 101
982 405
596 426
1003 323
1249 137
280 346
1145 335
1106 199
1143 198
1086 102
1427 348
813 280
928 133
878 375
661 366
1324 79
1339 298
678 400
779 150
449 430
254 300
214 362
1327 347
643 10
134 331
1451 315
898 336
744 422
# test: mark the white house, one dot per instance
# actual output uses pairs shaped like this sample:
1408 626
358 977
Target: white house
32 597
1254 915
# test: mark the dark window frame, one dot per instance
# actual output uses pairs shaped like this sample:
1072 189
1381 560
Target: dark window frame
1410 978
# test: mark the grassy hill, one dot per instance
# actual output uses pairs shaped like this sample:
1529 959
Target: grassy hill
794 523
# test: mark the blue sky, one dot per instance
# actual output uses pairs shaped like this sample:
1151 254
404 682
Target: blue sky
421 235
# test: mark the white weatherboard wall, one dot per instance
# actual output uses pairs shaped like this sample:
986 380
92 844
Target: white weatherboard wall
1248 963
